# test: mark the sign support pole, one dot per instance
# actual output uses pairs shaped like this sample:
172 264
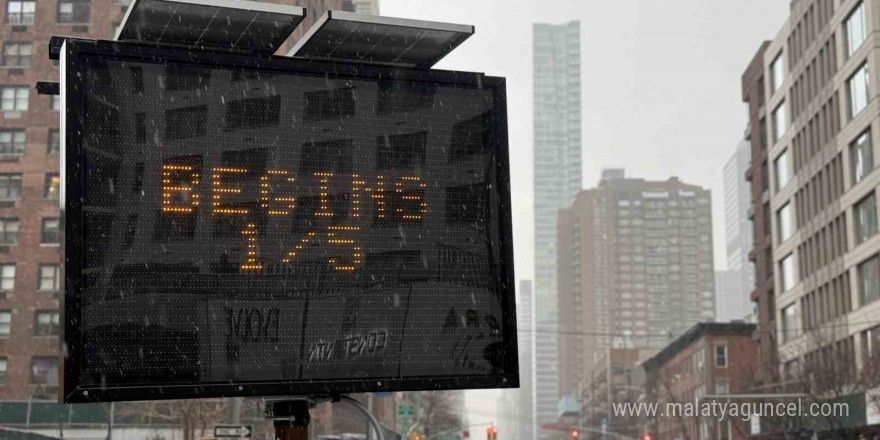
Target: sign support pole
380 435
291 419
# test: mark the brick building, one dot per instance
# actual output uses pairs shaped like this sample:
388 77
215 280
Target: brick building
635 269
709 359
30 275
761 254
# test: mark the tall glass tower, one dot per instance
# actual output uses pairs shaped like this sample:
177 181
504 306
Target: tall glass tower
557 174
557 131
732 297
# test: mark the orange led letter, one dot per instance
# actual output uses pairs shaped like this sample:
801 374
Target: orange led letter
412 205
252 263
324 200
335 236
179 180
281 205
379 195
357 185
219 189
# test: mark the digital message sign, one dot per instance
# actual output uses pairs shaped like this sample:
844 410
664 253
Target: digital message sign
252 226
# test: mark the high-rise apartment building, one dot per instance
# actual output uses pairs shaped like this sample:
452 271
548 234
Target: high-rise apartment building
546 383
525 324
821 197
557 126
30 184
557 174
516 408
30 270
732 299
507 413
635 268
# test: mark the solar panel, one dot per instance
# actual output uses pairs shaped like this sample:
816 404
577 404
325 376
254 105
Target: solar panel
234 25
346 36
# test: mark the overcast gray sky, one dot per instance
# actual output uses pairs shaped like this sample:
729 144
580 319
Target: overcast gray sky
661 89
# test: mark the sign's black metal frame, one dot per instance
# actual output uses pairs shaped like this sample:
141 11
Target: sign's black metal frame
73 164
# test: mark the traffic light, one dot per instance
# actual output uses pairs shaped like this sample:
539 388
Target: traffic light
647 437
492 433
575 434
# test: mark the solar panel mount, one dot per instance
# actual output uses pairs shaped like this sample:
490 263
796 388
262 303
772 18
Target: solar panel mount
370 39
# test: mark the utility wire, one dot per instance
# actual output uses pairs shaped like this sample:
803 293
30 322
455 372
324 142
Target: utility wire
666 335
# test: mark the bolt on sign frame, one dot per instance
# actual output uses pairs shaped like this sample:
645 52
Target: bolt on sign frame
241 225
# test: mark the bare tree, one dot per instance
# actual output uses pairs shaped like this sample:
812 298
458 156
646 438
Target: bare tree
667 396
196 415
826 370
829 370
441 411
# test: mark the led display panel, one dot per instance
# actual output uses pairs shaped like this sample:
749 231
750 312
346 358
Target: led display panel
275 227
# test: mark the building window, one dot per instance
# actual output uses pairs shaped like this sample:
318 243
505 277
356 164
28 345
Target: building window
765 177
56 102
722 388
54 141
17 54
50 231
777 72
869 280
363 8
7 277
782 169
14 98
780 122
857 91
786 270
44 370
790 323
784 220
721 356
47 323
856 29
74 11
763 130
10 186
12 142
871 343
861 154
9 231
20 12
2 370
5 322
53 186
50 277
865 218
